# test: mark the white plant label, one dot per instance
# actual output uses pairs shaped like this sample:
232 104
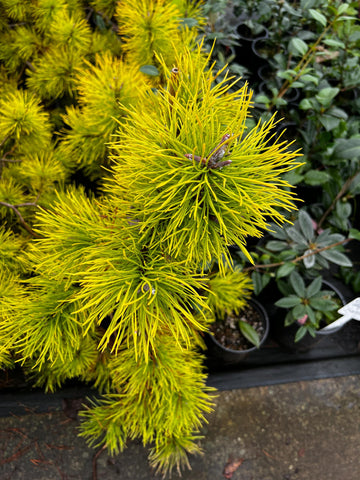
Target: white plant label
350 311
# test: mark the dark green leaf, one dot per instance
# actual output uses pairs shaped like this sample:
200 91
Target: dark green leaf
311 315
288 302
322 304
319 17
336 257
343 209
260 281
262 99
329 122
306 104
337 112
326 94
354 233
276 245
298 47
314 287
287 74
316 177
306 225
285 270
300 333
277 232
299 311
293 178
347 148
280 102
298 284
99 21
296 236
310 78
289 319
331 42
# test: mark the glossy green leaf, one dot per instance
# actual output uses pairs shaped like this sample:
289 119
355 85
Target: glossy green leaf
296 236
306 104
327 94
299 311
347 148
331 42
262 99
298 47
298 284
149 70
319 17
314 287
311 315
288 302
306 225
289 319
343 209
336 257
316 177
249 333
322 304
260 281
276 245
293 177
307 78
354 233
286 74
285 269
277 231
300 333
329 122
343 8
337 112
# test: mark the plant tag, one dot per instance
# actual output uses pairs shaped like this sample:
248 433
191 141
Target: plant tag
350 311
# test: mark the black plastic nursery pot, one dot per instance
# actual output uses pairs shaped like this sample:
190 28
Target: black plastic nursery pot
227 356
285 336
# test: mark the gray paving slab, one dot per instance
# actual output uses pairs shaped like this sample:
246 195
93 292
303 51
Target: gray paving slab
296 431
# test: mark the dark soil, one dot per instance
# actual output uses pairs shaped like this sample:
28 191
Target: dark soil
227 331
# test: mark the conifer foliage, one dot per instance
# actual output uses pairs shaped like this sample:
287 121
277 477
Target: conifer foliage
109 280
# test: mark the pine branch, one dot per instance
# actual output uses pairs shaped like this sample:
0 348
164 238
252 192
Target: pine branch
14 208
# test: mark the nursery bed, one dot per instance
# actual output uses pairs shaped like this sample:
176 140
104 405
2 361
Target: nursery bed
335 356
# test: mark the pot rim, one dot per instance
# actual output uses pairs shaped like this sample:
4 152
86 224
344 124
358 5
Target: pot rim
266 321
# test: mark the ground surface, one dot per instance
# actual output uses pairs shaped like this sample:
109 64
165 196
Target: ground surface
296 431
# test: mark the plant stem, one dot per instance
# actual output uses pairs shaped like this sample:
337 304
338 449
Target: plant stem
341 192
297 259
303 63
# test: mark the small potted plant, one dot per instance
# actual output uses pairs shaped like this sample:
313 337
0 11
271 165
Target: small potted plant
292 272
240 324
309 307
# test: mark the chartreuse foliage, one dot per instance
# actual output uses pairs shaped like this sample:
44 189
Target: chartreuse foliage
162 401
114 288
228 293
151 26
190 208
